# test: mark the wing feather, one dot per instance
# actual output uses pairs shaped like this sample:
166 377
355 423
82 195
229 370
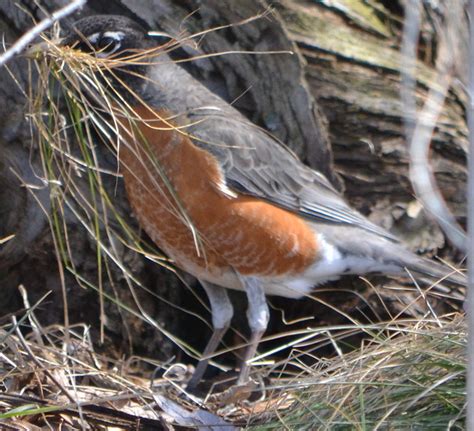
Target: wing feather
257 164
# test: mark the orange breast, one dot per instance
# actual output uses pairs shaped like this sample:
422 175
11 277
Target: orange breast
173 188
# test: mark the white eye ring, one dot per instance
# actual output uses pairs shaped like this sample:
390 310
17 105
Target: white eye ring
93 38
116 36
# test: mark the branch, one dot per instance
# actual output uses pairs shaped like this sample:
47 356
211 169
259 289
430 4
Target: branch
421 176
33 33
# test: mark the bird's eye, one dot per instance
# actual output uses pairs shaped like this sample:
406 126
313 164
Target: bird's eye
107 43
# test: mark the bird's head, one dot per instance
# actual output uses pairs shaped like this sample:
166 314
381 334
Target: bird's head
115 46
121 47
106 36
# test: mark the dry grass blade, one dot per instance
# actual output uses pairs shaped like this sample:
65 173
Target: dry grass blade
6 239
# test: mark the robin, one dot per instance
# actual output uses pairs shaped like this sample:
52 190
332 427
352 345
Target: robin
223 198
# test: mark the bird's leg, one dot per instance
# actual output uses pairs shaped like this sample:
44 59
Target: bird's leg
222 312
257 315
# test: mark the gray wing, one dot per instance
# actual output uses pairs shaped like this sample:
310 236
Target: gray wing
257 164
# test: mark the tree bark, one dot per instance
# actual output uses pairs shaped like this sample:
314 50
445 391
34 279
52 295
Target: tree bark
335 101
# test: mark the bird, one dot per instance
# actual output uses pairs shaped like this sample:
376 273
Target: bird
224 199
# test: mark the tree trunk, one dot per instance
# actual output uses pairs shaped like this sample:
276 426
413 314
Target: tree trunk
335 101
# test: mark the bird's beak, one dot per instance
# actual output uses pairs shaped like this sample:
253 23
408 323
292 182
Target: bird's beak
39 49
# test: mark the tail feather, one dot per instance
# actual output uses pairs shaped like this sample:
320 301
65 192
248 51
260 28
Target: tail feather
390 258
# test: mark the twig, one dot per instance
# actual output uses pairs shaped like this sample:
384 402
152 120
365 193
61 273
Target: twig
31 34
411 30
421 176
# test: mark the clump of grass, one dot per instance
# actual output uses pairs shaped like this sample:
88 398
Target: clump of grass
53 379
409 376
412 376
